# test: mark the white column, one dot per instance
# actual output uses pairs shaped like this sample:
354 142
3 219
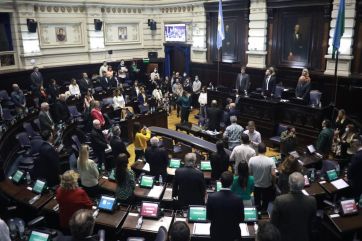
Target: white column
257 34
345 50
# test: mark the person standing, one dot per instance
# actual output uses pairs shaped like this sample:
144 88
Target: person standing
225 211
141 136
157 158
185 103
117 144
269 83
254 135
36 82
18 98
196 89
203 102
325 138
288 141
219 161
61 111
88 172
233 133
103 68
355 170
242 81
293 213
125 180
45 120
302 90
243 183
85 84
99 143
242 153
263 170
214 115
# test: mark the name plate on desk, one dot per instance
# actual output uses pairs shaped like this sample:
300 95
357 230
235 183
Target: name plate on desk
155 192
202 229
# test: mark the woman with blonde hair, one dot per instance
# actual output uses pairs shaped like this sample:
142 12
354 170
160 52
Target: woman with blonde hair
88 171
288 166
70 198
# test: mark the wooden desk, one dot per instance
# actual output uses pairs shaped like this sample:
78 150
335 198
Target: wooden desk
107 185
9 188
315 189
25 195
188 129
143 193
171 172
346 224
112 220
330 188
50 206
149 225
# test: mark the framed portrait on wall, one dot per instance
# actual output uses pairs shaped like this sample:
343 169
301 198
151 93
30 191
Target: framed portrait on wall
122 33
60 34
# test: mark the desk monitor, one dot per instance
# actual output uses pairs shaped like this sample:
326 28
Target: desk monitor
349 207
175 163
332 175
196 214
39 186
311 149
250 214
306 181
218 186
18 176
205 166
38 236
107 203
112 175
147 181
150 210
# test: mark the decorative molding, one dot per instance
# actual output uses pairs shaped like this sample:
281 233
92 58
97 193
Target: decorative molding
71 35
122 33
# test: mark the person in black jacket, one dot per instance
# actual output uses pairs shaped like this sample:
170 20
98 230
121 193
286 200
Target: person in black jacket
355 170
47 165
105 81
45 120
117 144
157 158
225 210
219 161
214 114
189 183
269 83
99 143
53 91
85 84
61 111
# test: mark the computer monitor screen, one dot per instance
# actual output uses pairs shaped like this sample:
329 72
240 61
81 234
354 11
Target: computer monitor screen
112 175
205 166
147 181
175 32
150 209
311 149
250 214
18 176
175 163
218 186
107 203
349 207
197 214
332 175
39 186
38 236
306 181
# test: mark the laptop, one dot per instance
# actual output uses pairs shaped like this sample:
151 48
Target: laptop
18 176
218 186
205 166
107 203
250 214
150 210
174 163
38 236
306 181
112 175
196 214
147 181
39 186
332 175
349 207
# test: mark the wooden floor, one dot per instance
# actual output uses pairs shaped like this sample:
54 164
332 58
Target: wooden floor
172 121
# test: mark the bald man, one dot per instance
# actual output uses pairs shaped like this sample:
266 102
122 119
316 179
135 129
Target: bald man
99 143
45 120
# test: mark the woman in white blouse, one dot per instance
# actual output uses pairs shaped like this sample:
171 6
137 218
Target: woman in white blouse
118 100
88 172
74 88
203 102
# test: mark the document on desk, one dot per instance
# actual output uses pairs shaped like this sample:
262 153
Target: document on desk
305 192
146 167
339 184
155 192
201 229
244 229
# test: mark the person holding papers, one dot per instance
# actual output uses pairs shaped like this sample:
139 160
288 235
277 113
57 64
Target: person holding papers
293 213
225 210
125 179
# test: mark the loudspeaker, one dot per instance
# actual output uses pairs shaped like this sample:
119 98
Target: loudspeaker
32 25
152 55
153 25
110 51
98 24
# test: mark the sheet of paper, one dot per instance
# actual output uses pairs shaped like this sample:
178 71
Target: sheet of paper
146 167
334 215
155 192
305 192
202 229
339 184
244 229
109 149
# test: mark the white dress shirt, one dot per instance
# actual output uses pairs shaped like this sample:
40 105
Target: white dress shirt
118 102
74 89
203 98
157 94
241 153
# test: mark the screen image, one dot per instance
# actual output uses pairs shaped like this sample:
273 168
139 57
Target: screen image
112 175
106 203
250 214
18 175
197 214
38 186
218 186
311 148
205 166
175 163
175 32
38 236
349 206
149 210
147 181
332 175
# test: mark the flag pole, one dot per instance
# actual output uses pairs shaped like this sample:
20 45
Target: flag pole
336 81
218 67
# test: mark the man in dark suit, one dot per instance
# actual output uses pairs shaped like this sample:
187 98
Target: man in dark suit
355 170
214 114
269 83
105 81
225 210
303 89
45 120
61 111
189 183
157 157
36 78
293 213
325 138
242 81
53 91
99 143
85 84
117 144
47 165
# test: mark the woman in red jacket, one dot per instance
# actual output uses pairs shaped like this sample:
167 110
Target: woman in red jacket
96 113
70 197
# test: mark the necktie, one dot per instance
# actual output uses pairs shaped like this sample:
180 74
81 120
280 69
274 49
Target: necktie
267 83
